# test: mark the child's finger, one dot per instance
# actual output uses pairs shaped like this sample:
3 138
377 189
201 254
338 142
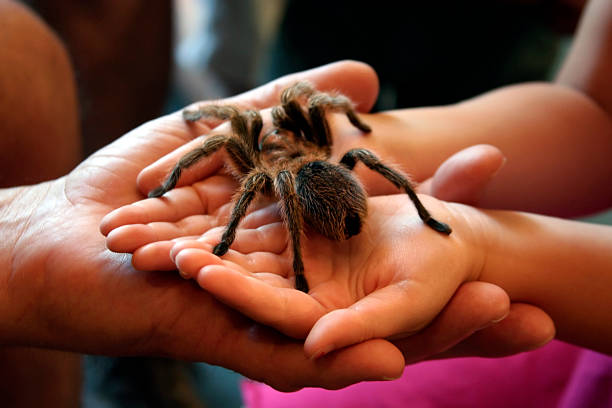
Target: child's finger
199 254
181 203
267 238
268 214
156 255
271 238
264 297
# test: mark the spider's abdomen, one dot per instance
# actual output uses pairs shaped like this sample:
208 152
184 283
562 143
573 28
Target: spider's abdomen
332 200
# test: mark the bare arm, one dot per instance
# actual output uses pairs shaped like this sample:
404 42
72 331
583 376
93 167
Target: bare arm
121 52
588 66
562 266
557 137
552 137
61 288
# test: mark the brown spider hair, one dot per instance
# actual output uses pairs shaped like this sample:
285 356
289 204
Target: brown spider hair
291 164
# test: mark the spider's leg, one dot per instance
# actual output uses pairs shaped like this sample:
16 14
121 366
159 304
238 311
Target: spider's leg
300 89
281 120
210 145
240 155
249 189
320 126
319 104
294 111
239 121
338 103
255 129
290 102
351 157
292 212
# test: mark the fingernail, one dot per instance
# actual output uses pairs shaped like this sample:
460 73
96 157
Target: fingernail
322 352
500 319
184 274
501 165
492 322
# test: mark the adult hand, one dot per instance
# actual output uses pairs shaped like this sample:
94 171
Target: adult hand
62 288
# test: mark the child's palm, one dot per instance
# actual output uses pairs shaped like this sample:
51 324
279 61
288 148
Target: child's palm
390 280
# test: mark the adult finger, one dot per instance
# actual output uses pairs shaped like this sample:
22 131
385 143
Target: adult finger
398 309
525 328
356 80
474 306
205 197
283 365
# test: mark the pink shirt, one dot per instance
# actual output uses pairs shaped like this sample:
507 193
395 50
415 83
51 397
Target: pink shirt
558 375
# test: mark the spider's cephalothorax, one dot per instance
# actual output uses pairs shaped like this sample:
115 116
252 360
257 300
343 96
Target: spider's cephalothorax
291 164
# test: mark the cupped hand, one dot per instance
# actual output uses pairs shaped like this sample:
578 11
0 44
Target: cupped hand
68 291
397 280
389 281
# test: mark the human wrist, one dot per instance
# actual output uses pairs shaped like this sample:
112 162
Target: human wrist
17 208
472 228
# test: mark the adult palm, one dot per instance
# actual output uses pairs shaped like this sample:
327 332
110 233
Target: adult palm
64 289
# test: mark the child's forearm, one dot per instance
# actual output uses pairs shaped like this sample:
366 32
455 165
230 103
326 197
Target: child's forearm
557 141
557 137
561 266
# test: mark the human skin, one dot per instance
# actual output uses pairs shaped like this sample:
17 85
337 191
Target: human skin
39 140
148 228
337 330
495 112
578 317
397 264
62 289
121 53
39 106
553 135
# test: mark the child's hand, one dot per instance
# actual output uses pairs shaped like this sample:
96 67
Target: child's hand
389 281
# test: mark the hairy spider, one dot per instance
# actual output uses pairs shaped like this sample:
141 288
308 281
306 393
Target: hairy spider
291 164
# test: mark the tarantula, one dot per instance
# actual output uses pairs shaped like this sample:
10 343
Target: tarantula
291 164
